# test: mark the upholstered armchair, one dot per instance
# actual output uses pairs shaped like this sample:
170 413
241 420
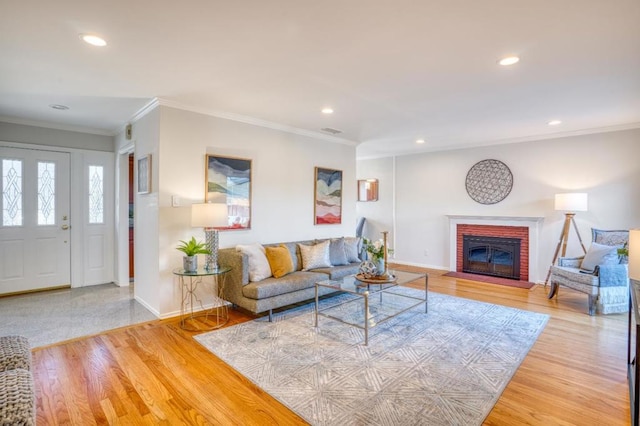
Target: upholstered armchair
600 273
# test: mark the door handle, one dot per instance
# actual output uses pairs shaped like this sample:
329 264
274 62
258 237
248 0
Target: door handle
65 227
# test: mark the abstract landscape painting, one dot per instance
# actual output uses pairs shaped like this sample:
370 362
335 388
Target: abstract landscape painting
328 196
228 181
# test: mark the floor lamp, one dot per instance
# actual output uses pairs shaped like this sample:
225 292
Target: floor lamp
569 203
210 216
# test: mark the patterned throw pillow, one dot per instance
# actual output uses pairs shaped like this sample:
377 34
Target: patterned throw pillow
279 260
610 238
259 268
316 256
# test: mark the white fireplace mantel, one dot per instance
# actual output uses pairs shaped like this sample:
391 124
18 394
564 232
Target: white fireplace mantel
531 222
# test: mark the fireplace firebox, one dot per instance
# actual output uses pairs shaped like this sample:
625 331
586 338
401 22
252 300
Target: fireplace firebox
495 256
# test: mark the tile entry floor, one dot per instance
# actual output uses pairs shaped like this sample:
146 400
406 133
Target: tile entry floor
54 316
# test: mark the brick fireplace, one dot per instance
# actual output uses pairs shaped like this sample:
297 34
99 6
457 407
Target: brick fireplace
526 229
516 232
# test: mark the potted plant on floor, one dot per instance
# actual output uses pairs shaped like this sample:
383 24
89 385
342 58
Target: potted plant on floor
190 249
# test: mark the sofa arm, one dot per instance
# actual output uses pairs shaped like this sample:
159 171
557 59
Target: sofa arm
570 262
613 275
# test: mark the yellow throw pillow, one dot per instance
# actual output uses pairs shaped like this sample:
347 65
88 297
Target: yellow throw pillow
279 260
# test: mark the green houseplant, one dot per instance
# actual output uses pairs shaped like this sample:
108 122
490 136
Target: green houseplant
190 249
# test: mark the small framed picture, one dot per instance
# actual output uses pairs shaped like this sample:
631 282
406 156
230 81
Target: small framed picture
144 175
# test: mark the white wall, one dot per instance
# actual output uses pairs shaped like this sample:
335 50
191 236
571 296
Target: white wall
379 214
11 132
432 185
282 191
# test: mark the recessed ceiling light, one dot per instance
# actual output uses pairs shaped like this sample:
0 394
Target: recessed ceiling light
327 110
420 141
93 40
554 122
59 107
509 60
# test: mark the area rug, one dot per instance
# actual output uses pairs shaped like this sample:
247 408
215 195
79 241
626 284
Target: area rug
491 280
445 367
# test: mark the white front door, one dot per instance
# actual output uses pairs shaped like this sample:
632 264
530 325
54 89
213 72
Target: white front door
35 243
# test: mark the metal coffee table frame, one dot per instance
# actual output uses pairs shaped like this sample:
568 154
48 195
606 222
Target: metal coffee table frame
362 290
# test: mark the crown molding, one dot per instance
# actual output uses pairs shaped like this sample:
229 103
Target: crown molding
255 121
56 126
532 138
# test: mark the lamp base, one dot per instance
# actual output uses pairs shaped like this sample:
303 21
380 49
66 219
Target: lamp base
212 239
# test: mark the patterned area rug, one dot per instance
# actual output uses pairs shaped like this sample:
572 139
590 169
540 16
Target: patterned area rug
445 367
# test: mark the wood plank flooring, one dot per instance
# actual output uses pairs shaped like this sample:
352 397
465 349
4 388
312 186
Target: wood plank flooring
155 373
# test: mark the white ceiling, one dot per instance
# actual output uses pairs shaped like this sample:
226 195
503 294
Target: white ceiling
393 71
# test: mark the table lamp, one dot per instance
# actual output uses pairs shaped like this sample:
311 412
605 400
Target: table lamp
210 216
569 203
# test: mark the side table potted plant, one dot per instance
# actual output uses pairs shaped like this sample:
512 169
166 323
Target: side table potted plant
190 249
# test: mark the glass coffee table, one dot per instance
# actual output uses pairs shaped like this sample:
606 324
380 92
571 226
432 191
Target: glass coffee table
370 301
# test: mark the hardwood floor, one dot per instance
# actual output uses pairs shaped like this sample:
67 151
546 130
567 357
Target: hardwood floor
155 373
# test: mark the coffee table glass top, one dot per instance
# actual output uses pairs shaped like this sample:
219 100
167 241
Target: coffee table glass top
349 283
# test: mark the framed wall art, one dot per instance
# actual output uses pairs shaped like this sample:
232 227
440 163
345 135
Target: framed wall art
228 181
327 196
144 175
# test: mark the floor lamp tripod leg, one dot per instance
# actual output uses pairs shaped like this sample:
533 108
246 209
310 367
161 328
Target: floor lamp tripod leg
578 234
562 242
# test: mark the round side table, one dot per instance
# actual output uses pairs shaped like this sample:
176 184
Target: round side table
215 316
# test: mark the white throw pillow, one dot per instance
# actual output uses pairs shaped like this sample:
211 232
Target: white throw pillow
599 254
316 256
259 268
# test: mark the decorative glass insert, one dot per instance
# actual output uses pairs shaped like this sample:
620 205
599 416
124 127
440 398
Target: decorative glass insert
11 192
96 194
46 193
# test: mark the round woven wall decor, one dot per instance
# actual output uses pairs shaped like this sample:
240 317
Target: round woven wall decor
489 181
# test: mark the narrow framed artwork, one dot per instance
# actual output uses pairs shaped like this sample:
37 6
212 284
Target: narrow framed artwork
144 175
228 181
327 196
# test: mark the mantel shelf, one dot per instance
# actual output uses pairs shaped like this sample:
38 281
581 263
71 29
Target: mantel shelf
494 218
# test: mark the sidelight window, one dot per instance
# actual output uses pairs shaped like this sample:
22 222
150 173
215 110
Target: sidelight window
11 192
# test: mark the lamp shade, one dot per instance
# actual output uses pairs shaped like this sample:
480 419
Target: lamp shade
634 254
572 202
209 215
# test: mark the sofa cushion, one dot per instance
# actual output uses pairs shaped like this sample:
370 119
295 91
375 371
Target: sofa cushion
270 287
259 268
574 278
315 256
337 253
338 272
279 260
352 248
599 254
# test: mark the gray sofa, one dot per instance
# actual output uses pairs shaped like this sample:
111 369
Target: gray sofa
272 293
